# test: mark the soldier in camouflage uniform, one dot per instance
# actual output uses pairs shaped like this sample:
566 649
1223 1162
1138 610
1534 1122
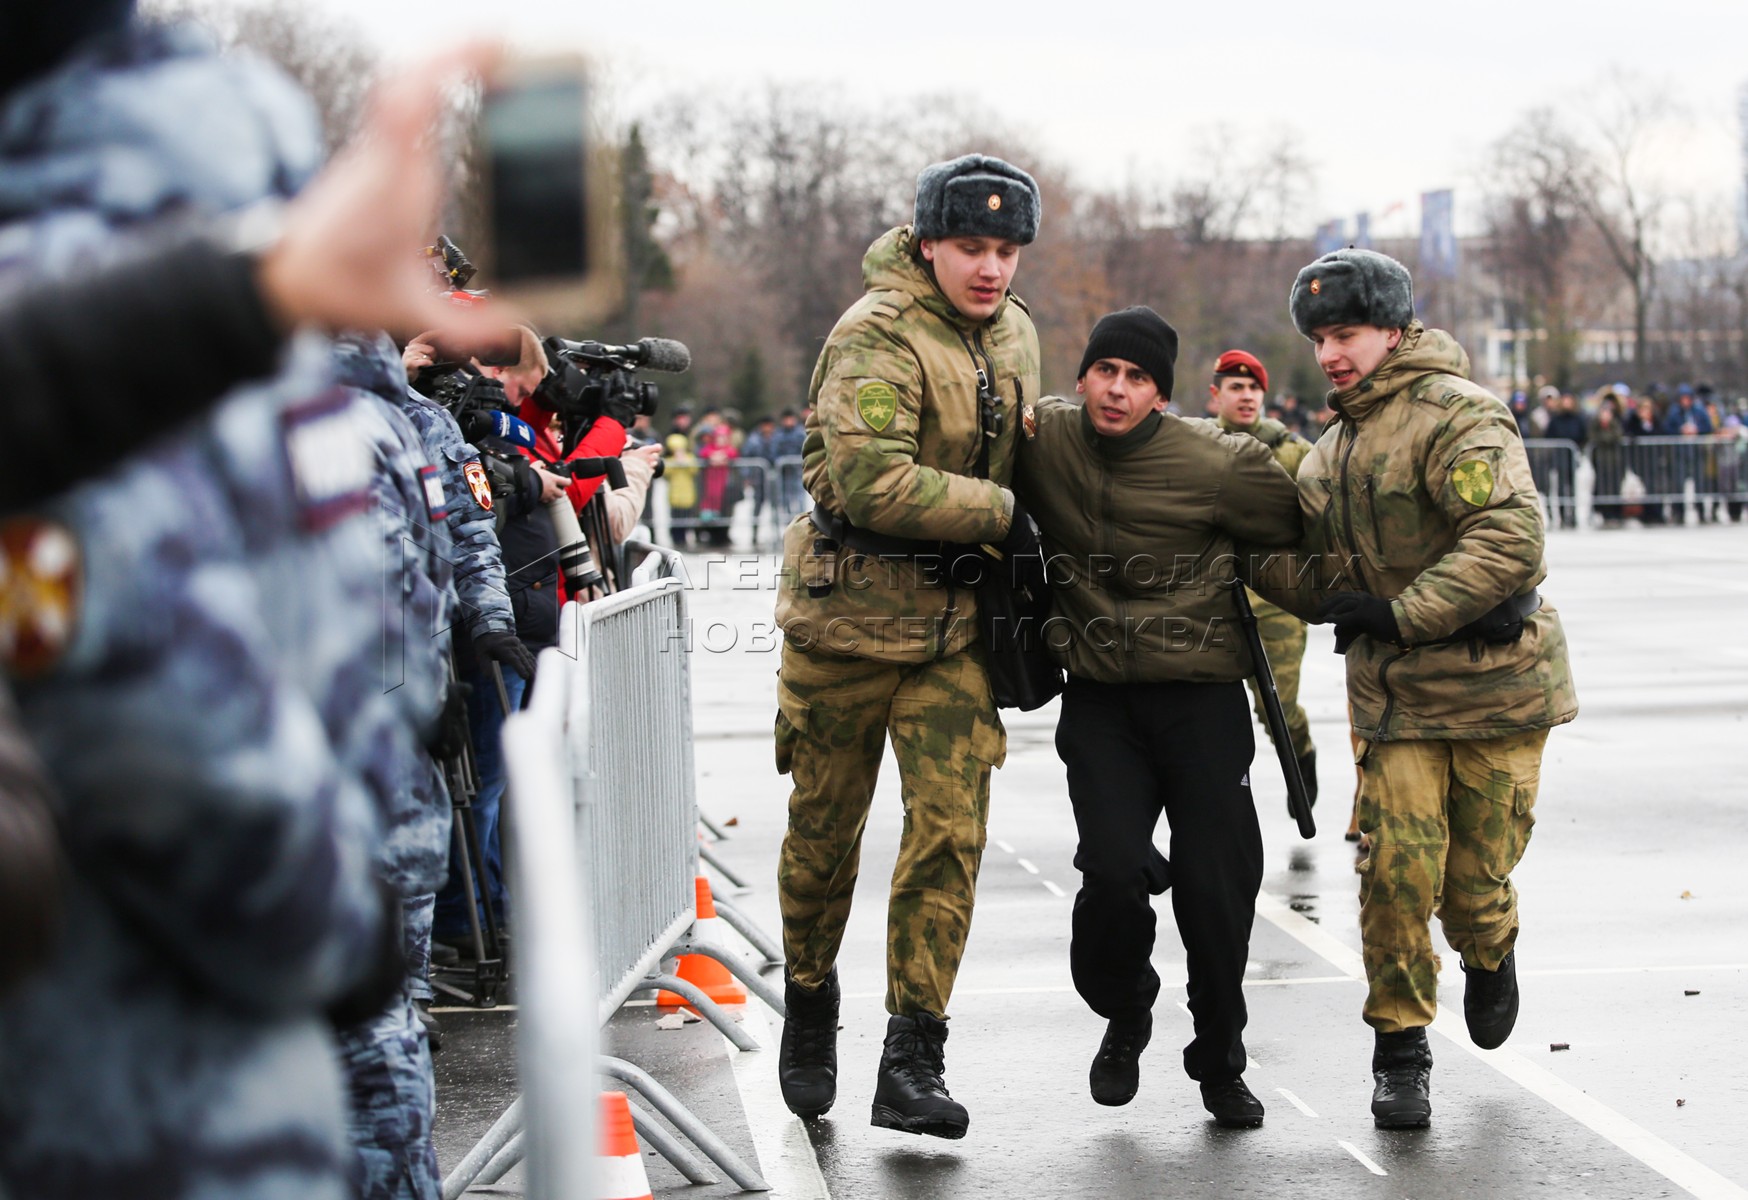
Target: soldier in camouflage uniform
1456 668
1235 400
909 451
220 836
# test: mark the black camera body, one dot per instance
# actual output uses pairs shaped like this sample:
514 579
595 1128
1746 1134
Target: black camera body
586 377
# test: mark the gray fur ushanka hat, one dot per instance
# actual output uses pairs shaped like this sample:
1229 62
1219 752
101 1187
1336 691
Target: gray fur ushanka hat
976 196
1352 287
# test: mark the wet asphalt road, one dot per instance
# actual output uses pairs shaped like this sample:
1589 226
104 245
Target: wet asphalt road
1633 895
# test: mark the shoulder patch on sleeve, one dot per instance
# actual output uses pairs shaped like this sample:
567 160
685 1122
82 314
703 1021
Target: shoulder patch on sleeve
40 592
478 484
876 403
1473 481
1029 421
330 459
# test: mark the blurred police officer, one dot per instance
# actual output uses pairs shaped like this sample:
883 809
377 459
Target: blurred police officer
1456 669
1141 514
909 447
220 839
1235 400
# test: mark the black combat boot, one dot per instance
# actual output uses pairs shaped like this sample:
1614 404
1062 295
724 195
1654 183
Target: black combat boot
1308 772
1233 1104
1490 1002
1402 1079
911 1095
1116 1069
807 1055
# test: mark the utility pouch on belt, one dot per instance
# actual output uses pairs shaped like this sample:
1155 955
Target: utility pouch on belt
1502 624
819 570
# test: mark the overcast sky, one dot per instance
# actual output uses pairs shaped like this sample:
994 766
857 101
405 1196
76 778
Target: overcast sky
1390 99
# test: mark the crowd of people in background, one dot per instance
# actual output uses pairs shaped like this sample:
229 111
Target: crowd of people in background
1632 479
712 463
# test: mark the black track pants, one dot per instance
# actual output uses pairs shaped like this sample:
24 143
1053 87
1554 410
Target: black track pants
1184 749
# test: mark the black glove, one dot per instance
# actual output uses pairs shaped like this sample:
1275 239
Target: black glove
506 648
1020 539
1354 613
449 733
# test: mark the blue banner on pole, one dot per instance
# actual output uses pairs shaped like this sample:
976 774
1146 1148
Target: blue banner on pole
1331 235
1438 235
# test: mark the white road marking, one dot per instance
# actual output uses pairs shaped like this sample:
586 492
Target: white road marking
1365 1162
1054 890
1681 969
1005 848
785 1152
1685 1172
1027 867
1298 1103
1722 585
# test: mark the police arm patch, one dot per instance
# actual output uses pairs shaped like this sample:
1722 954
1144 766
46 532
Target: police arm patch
1473 481
478 484
877 404
40 586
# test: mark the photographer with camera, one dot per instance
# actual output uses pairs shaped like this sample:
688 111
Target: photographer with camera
522 486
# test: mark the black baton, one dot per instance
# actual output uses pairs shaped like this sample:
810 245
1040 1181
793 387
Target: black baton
1298 802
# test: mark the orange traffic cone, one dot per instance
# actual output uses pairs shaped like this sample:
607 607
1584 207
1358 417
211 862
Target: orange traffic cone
621 1175
701 970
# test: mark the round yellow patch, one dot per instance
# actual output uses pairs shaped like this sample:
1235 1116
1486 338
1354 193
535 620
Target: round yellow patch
994 202
1474 482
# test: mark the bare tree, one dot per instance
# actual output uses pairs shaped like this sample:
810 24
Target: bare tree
328 55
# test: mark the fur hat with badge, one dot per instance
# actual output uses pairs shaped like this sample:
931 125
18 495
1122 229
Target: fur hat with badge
1352 287
976 196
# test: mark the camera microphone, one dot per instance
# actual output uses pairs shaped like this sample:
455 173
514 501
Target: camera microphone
665 354
512 429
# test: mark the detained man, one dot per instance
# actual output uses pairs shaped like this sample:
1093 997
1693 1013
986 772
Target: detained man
1143 515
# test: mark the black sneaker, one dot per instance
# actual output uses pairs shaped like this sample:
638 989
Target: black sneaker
1402 1080
1116 1069
1490 1002
807 1055
1233 1104
911 1096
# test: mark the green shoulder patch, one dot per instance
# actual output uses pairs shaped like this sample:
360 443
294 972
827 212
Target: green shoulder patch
1474 481
877 402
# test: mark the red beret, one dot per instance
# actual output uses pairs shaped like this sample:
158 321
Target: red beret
1238 362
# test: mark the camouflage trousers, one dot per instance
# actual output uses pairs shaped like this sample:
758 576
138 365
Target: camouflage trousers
1448 821
1283 640
835 714
417 915
392 1104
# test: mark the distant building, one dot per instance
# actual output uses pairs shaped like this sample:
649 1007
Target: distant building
1742 200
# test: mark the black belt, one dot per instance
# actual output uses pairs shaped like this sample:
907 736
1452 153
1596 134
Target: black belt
1496 624
880 545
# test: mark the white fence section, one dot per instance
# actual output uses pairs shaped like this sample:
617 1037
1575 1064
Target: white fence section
606 819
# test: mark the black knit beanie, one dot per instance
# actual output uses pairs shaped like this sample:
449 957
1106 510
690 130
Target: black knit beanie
1138 335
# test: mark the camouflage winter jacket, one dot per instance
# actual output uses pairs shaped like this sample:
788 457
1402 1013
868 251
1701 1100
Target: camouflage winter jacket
1290 451
1289 448
1141 534
893 445
1424 489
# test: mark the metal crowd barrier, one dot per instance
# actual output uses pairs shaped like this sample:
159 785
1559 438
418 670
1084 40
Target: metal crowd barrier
621 762
1555 464
1651 473
759 499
